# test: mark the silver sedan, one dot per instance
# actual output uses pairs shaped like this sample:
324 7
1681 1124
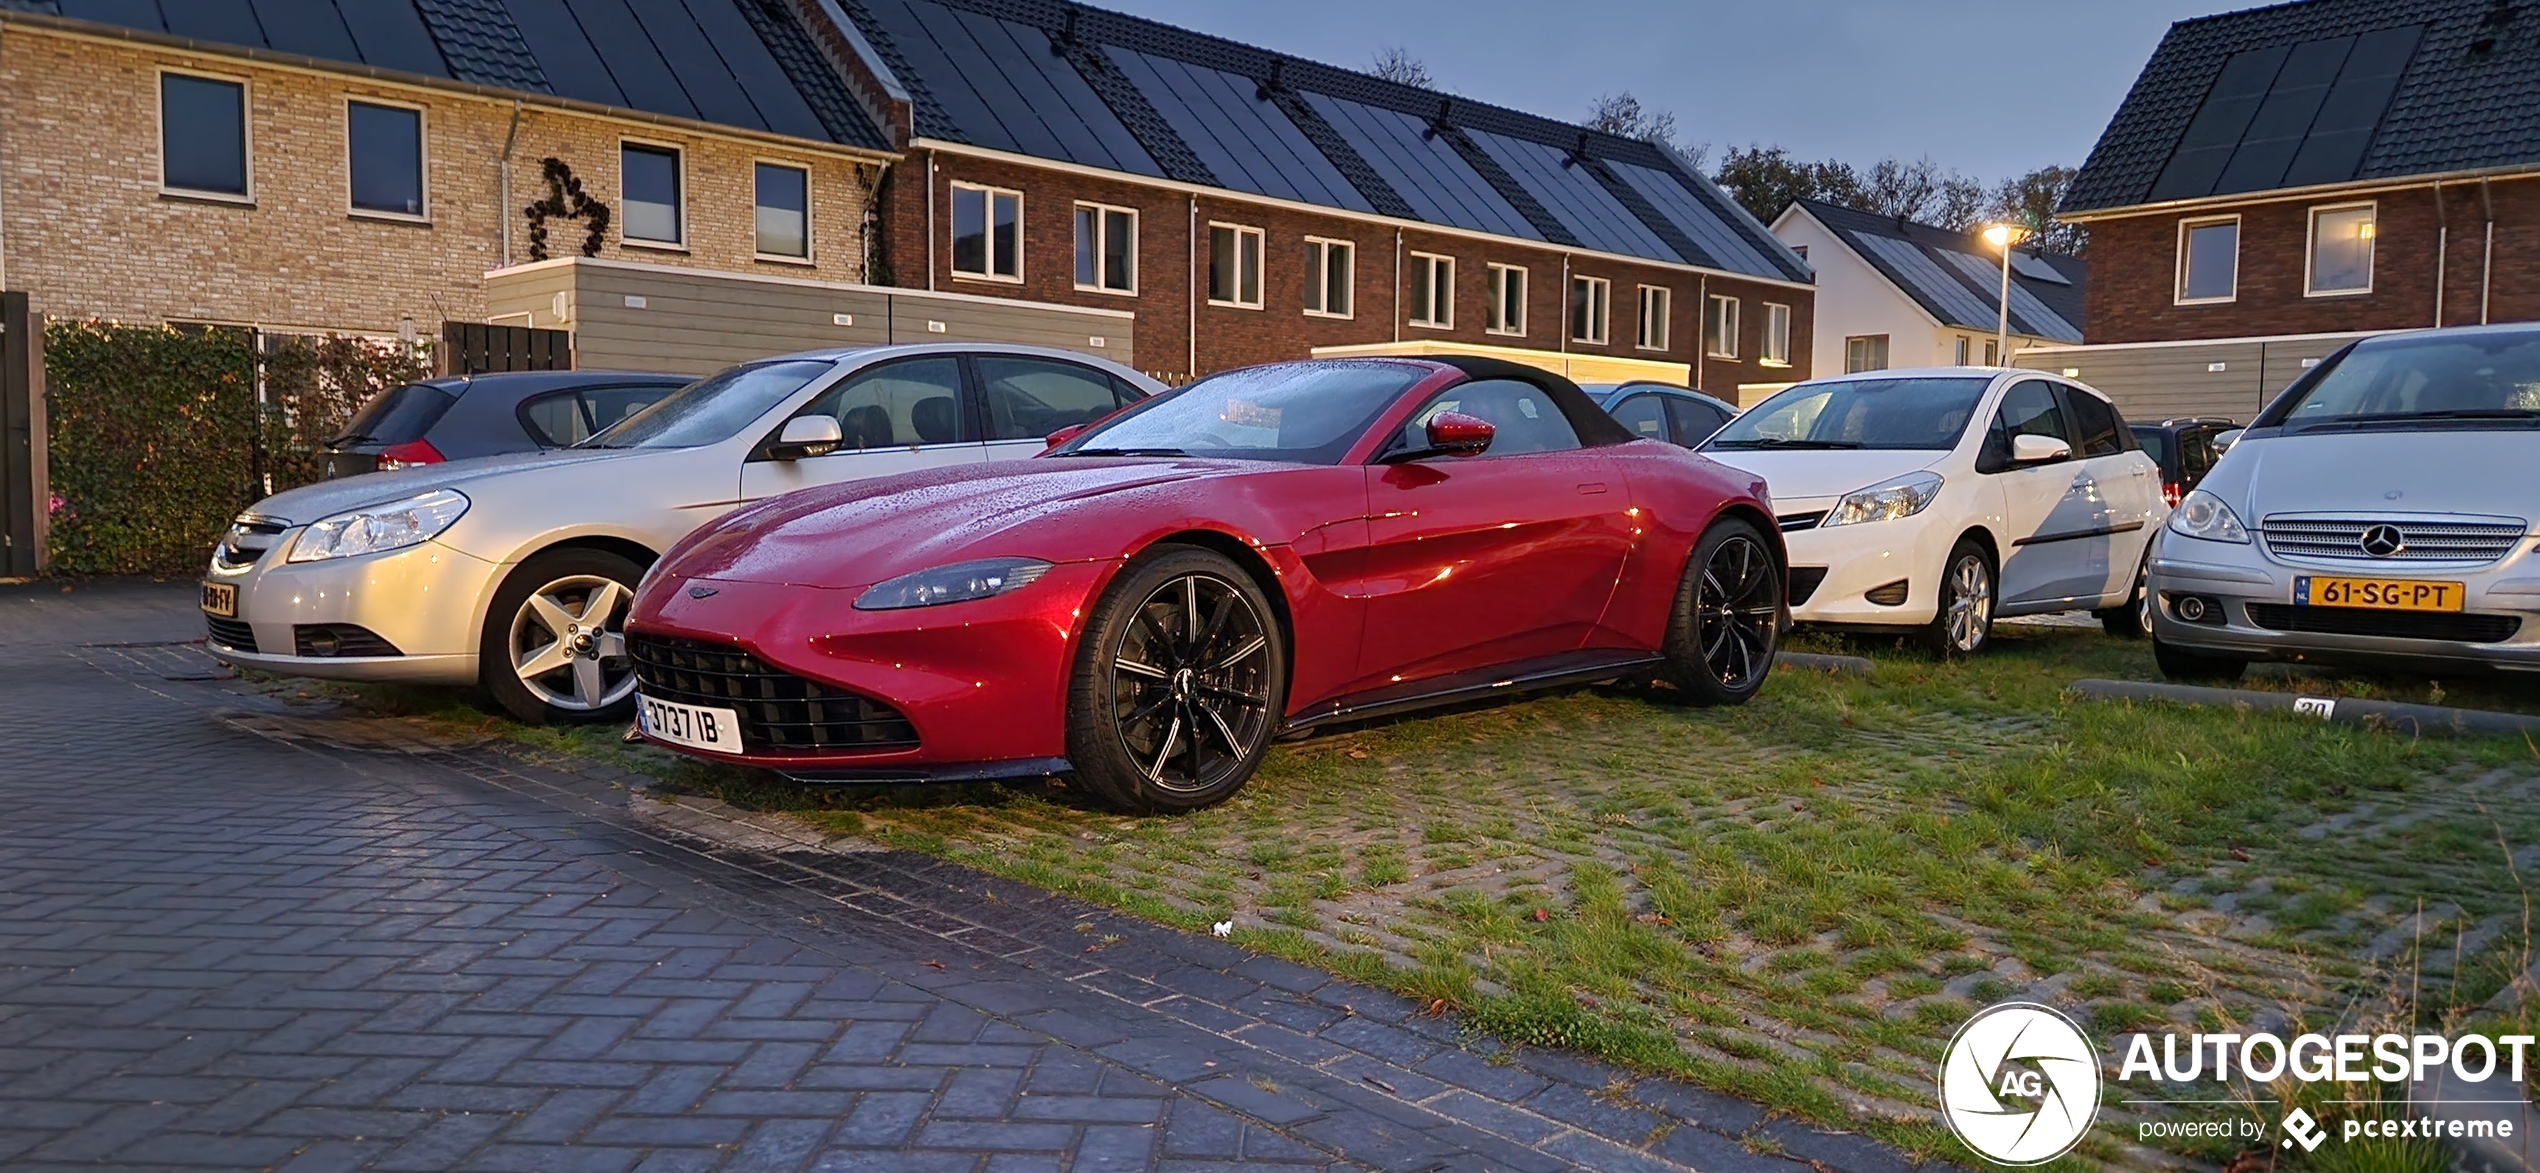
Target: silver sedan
514 572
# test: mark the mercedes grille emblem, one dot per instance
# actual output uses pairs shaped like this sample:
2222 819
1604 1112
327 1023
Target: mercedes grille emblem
2383 541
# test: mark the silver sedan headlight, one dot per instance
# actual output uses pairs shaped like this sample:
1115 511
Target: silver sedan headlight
392 526
2203 515
958 582
1888 500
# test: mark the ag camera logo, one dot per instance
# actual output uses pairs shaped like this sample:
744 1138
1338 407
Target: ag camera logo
2020 1084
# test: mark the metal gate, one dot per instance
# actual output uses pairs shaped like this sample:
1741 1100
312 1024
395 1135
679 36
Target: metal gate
26 495
478 348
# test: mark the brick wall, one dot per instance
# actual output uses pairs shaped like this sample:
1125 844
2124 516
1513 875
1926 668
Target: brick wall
88 231
1230 337
2133 269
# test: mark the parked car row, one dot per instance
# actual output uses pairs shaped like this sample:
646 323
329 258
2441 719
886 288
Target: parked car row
839 565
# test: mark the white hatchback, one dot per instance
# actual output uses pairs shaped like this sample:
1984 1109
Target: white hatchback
1940 500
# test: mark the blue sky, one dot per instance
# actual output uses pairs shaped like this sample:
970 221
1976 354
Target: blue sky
1987 87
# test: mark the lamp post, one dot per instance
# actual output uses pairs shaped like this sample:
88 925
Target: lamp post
2003 236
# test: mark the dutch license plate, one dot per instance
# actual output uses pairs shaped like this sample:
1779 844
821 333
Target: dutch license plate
2379 594
690 725
220 598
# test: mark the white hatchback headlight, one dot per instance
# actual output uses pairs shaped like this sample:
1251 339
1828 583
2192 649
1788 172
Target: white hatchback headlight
392 526
2203 515
1904 496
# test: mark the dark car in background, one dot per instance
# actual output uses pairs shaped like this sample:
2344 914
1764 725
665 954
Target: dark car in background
1662 411
2186 448
460 416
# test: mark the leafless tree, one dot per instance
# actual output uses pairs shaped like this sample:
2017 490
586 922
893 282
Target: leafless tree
1623 114
1396 64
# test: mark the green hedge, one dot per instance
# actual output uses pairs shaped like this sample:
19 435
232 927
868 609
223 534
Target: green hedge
157 439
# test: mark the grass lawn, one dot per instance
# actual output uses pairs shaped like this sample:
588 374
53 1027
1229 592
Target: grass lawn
1799 900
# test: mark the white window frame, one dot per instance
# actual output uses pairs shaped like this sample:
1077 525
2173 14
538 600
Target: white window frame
1428 269
1650 332
988 231
1729 324
1101 227
810 243
1600 294
1260 258
246 135
1776 344
1318 276
2310 249
1865 340
423 159
1959 354
1499 276
2178 276
678 176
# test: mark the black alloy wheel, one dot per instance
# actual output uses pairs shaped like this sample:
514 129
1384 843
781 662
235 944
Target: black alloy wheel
1727 620
1179 685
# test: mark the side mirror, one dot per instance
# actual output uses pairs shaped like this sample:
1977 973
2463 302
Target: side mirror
1065 434
807 435
2223 440
1457 434
2038 449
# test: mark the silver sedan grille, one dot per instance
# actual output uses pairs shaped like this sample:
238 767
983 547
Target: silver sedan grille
2392 538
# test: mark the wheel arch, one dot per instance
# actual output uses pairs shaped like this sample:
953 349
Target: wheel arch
641 555
1243 555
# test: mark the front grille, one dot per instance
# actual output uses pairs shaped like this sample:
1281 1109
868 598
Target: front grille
247 540
340 639
1792 523
2425 539
780 712
2453 627
231 633
1804 581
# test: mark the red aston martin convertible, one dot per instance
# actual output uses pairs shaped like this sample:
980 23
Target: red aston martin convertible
1150 602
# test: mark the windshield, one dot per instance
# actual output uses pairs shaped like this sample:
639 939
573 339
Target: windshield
2435 380
714 410
1303 412
1921 412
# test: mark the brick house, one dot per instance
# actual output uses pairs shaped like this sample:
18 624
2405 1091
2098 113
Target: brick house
361 166
1249 206
2281 180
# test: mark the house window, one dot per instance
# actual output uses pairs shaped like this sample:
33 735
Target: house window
1234 266
1328 273
1655 301
1800 250
2208 260
1959 358
2341 250
384 158
1776 335
987 232
1432 291
1992 352
202 135
1590 312
1507 300
784 211
1719 328
648 183
1865 352
1106 248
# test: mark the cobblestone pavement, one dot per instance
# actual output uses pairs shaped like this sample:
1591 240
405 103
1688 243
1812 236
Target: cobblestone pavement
229 940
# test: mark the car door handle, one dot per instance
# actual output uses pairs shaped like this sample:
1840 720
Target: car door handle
1592 488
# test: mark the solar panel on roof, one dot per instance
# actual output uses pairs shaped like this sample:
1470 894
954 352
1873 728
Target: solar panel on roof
770 90
1725 243
567 57
630 58
1923 278
1430 176
1581 204
1246 142
139 14
2238 90
692 60
2276 130
1019 91
2030 266
391 36
2334 150
228 21
2028 315
310 28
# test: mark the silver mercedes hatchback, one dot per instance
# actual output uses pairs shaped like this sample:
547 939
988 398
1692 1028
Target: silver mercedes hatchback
515 572
2378 512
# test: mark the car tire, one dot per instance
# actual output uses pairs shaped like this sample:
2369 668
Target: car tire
1969 591
1180 684
588 675
2184 664
1726 622
2133 618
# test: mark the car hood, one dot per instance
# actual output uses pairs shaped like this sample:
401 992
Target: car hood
1805 476
2495 473
862 532
327 498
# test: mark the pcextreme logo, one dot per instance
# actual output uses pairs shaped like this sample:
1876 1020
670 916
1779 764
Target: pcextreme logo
2020 1084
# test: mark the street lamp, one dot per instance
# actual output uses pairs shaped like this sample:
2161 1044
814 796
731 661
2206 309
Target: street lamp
2003 236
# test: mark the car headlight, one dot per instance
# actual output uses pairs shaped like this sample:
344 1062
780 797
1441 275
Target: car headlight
1886 501
2203 515
956 583
393 526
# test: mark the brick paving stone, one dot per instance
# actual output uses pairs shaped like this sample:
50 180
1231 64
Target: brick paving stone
232 950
